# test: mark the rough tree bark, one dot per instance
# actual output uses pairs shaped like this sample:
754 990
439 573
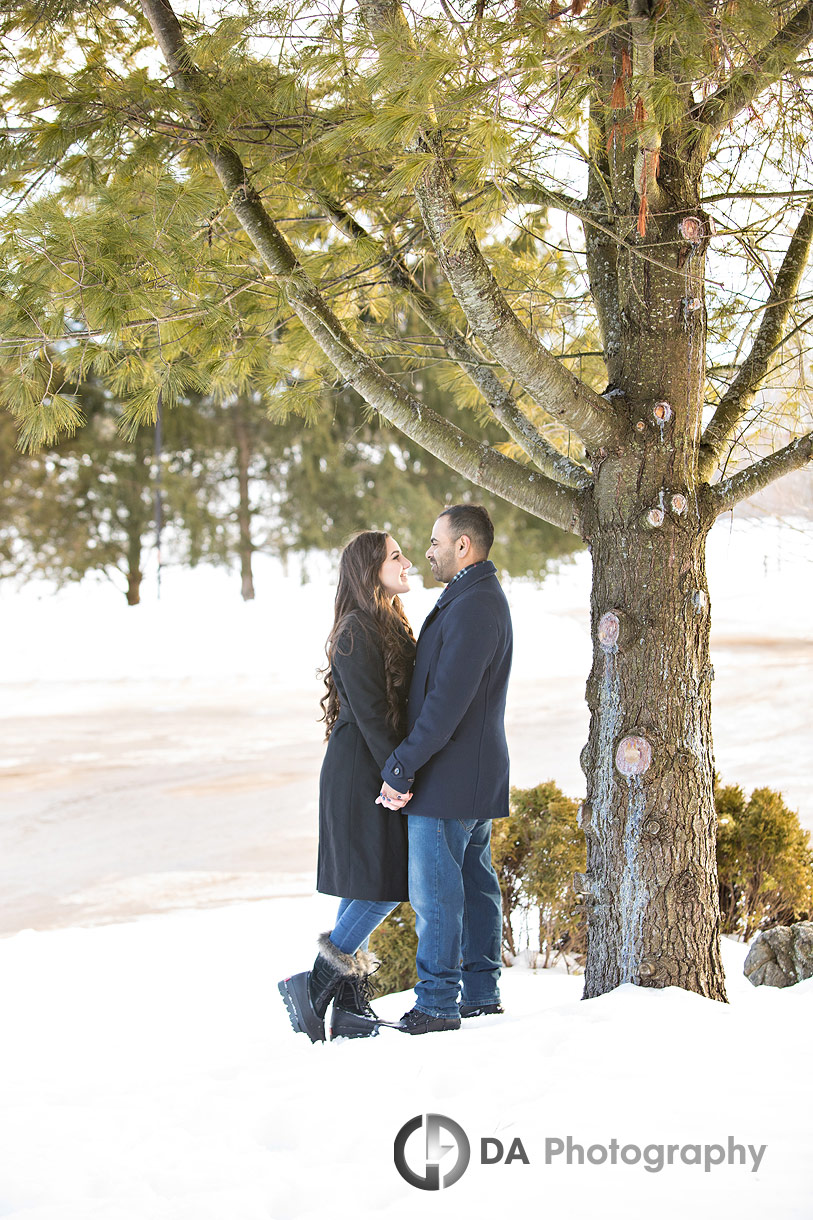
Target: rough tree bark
650 891
644 507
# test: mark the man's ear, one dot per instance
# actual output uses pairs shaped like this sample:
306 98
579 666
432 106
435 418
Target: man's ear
464 544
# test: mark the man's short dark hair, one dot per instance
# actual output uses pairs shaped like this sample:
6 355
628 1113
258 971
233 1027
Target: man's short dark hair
472 520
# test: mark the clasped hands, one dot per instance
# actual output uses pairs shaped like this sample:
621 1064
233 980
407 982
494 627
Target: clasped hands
391 798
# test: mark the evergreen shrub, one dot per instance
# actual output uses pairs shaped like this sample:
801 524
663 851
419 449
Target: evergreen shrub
395 944
535 852
764 862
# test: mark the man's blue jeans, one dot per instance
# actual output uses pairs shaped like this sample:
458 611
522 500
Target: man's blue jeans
458 913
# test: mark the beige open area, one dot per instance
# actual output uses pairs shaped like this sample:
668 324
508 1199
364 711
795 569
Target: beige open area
209 795
194 793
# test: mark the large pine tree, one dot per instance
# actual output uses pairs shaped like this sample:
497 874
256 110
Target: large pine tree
282 185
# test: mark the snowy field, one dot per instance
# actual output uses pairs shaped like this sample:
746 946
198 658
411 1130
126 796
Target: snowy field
149 1073
161 759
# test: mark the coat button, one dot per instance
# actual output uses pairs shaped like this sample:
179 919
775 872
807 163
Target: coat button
396 770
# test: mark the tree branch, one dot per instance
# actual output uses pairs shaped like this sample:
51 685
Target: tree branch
642 26
737 398
536 493
503 405
554 388
745 84
532 191
724 495
601 246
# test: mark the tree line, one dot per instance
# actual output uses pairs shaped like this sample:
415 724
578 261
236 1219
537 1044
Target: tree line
225 480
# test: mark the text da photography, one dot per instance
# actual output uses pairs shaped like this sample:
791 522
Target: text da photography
433 1151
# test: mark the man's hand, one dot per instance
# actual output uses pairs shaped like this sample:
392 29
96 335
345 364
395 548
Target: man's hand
391 798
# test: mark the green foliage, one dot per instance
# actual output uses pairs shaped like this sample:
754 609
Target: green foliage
118 247
87 503
233 482
764 861
536 851
395 944
346 473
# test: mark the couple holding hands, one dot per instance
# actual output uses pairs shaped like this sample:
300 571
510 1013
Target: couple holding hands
415 770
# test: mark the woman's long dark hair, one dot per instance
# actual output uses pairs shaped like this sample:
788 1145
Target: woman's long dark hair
362 604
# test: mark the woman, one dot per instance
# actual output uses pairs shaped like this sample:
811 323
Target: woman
362 845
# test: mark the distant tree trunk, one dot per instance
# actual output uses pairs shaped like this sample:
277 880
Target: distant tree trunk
246 547
136 504
134 577
545 938
507 930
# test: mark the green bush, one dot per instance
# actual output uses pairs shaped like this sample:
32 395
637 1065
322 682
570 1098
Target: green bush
395 944
535 852
764 862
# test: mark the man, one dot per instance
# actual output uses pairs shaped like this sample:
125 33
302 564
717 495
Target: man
456 756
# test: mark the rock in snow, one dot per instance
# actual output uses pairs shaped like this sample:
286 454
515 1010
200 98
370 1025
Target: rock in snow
780 957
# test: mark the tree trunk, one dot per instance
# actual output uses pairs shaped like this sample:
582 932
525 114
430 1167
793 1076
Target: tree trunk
134 587
246 547
133 527
545 940
508 932
649 818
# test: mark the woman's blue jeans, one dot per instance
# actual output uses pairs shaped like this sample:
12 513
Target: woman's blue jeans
458 913
355 920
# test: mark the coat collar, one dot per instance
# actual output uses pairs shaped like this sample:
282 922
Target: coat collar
477 572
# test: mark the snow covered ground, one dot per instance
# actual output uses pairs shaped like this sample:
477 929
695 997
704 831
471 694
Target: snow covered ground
166 757
149 1072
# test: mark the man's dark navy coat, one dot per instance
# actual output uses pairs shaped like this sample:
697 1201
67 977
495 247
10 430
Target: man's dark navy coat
455 757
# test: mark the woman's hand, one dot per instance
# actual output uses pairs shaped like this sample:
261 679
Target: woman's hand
391 798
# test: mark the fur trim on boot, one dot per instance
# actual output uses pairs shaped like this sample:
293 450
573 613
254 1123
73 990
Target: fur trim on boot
368 963
346 964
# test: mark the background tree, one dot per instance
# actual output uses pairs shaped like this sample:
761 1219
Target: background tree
331 171
87 503
242 460
348 469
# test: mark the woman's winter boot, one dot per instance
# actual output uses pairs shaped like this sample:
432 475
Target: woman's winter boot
352 1015
307 995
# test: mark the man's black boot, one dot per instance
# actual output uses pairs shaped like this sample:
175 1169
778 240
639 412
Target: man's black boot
418 1022
481 1010
308 994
